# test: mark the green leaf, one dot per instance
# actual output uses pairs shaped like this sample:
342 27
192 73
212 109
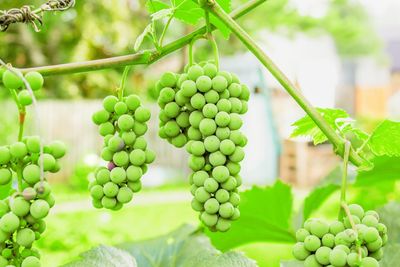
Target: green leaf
338 119
188 12
389 215
385 140
316 198
391 255
265 217
225 31
156 5
183 247
385 169
140 38
162 14
104 256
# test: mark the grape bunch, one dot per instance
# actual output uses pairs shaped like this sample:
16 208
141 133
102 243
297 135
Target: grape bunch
122 123
201 109
338 244
22 213
14 82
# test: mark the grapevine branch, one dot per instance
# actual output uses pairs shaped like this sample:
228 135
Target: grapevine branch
34 17
140 58
333 137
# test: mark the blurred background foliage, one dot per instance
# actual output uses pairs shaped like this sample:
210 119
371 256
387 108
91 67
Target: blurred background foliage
99 28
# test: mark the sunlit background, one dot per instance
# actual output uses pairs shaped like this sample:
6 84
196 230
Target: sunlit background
340 53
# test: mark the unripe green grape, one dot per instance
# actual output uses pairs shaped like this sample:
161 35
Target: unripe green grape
336 227
375 245
222 133
24 98
194 134
226 210
126 122
209 219
227 147
171 128
345 248
223 225
224 105
39 209
180 99
369 262
245 107
222 195
225 94
328 240
196 205
201 195
117 206
238 155
211 206
150 156
300 252
356 210
195 118
106 128
338 257
370 220
311 261
188 88
19 206
128 138
211 97
5 176
31 174
220 174
235 90
203 83
6 253
182 77
195 72
196 163
210 70
319 228
236 122
210 111
3 237
139 128
217 159
5 155
211 185
372 213
25 237
172 110
219 83
378 255
322 255
50 200
100 117
193 189
58 149
167 95
4 208
353 259
301 234
118 175
230 184
179 141
245 94
48 162
106 154
312 243
207 127
222 119
197 101
35 80
135 186
168 79
134 173
227 76
115 144
236 105
120 108
142 114
18 150
133 102
370 235
237 137
200 177
183 120
97 192
212 143
110 189
108 202
12 80
234 199
341 239
381 228
121 158
109 102
124 195
347 222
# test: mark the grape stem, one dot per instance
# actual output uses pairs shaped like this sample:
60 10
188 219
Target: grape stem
121 88
353 225
19 176
347 147
21 116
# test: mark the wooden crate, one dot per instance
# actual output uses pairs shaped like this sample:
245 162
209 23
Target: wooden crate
302 164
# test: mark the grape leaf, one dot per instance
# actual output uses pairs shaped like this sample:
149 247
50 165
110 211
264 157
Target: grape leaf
385 140
140 38
389 215
162 14
265 217
385 169
391 255
183 247
316 198
334 117
104 256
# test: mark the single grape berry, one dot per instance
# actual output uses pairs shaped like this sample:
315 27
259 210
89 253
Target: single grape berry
35 80
12 80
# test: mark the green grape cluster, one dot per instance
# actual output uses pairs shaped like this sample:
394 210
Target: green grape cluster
122 123
201 109
338 244
14 82
22 213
